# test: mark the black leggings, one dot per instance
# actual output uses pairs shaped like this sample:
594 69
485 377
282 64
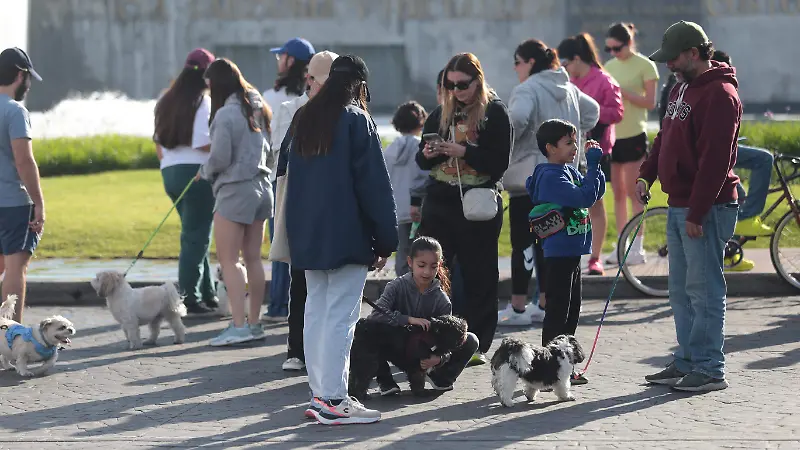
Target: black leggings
475 245
297 311
526 252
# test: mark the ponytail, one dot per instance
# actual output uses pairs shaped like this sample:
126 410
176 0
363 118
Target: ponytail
587 50
444 279
545 58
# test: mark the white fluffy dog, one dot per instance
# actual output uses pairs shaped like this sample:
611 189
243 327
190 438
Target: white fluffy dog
22 345
133 308
224 308
538 367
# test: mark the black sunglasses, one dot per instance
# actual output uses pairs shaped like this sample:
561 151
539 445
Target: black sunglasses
616 49
461 85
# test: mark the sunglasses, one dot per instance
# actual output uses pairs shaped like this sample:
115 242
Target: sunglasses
461 85
616 49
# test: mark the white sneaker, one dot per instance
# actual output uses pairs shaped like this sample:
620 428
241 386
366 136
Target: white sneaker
537 314
348 411
511 318
637 255
612 258
293 364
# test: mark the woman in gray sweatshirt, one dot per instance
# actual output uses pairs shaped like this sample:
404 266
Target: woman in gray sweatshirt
238 169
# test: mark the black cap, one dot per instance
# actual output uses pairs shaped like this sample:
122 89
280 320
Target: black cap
18 58
353 66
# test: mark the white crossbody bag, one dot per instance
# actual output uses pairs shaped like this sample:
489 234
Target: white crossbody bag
479 204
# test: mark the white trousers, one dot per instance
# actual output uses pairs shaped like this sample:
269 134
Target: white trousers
333 306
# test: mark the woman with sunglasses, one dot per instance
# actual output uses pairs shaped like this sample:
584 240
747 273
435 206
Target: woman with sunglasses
638 79
473 152
544 93
579 56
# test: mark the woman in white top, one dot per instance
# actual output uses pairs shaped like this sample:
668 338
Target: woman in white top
183 143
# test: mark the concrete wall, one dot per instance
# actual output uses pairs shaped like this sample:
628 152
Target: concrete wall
136 46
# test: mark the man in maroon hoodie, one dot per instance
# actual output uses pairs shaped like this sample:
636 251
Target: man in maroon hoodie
693 155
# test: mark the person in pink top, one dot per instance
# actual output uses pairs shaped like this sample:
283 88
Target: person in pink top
579 56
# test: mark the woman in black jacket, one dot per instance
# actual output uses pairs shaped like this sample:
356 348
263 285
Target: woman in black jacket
477 134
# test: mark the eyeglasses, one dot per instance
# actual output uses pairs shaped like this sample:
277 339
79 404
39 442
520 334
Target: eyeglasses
616 49
461 85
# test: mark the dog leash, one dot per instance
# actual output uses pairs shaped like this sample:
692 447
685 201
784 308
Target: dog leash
613 288
158 228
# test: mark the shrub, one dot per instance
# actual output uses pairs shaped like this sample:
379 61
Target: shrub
93 154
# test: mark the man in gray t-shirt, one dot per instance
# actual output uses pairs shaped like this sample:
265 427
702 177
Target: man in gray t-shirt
21 201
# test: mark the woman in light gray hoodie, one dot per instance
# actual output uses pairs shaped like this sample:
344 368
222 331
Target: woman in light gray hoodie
238 169
544 93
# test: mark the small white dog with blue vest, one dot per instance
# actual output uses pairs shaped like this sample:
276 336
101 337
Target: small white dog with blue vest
21 345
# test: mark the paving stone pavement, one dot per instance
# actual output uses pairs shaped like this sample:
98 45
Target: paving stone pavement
194 396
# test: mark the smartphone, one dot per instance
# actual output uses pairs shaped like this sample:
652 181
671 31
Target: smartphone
432 138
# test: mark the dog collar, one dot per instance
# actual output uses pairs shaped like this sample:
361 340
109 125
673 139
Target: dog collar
26 333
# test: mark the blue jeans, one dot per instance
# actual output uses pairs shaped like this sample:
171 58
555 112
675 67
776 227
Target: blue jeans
759 162
279 285
697 288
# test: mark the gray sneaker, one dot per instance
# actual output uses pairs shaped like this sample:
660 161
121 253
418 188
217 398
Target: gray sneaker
698 382
667 377
257 331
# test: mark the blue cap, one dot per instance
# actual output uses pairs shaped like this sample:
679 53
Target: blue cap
298 48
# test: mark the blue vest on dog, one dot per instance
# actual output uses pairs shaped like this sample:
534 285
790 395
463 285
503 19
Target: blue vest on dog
26 333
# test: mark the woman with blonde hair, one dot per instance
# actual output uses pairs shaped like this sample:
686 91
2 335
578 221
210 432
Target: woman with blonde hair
473 152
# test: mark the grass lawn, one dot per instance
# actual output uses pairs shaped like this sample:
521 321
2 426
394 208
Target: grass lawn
112 214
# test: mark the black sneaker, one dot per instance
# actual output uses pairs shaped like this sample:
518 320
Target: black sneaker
698 382
577 380
438 385
668 377
389 388
212 303
198 309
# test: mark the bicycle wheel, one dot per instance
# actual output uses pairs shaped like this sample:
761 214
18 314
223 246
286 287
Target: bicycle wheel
649 277
784 249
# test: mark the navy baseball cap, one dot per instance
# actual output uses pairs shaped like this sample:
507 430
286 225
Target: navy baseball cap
18 58
298 48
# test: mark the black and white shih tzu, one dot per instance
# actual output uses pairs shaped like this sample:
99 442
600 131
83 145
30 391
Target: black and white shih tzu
538 367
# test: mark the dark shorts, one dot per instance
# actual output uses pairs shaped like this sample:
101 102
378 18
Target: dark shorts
15 233
630 149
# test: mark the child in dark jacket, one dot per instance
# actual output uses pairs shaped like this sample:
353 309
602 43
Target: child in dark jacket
560 218
411 300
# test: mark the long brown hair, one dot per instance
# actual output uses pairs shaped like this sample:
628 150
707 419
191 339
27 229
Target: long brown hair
466 63
429 244
315 122
175 110
581 45
226 79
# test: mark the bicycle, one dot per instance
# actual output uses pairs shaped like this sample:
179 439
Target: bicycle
648 278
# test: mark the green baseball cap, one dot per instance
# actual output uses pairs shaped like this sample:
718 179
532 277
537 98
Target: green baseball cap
678 38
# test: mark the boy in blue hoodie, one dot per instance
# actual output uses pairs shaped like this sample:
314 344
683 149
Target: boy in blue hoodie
560 218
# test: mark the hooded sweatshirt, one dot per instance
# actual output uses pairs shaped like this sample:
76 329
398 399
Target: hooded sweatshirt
237 152
599 85
408 180
562 188
694 153
543 96
402 299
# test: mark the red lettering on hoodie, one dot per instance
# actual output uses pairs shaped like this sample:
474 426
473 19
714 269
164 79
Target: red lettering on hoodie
694 153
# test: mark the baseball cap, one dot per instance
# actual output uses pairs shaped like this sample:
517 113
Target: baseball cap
199 59
678 38
18 58
320 65
298 48
353 66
